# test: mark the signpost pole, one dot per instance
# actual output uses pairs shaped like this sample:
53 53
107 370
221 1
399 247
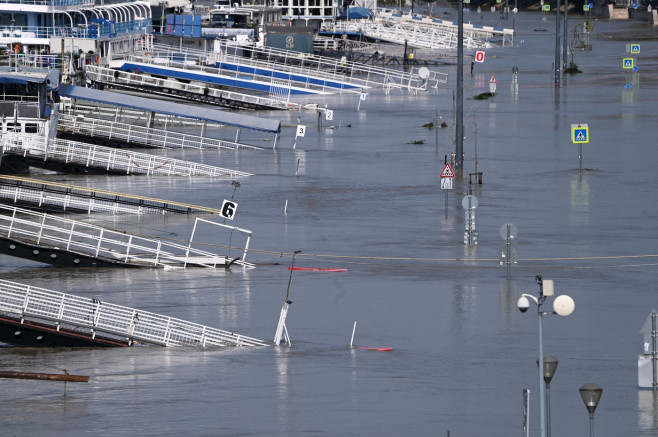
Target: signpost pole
654 353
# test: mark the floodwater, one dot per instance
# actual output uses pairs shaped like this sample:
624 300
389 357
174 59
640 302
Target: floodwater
367 198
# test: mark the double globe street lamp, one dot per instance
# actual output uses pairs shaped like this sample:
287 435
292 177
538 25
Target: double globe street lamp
562 305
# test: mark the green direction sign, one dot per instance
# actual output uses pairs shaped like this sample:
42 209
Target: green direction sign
579 133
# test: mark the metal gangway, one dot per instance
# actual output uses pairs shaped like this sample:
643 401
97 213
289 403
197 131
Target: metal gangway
56 196
57 240
472 32
71 122
285 67
108 324
362 75
413 34
195 91
59 153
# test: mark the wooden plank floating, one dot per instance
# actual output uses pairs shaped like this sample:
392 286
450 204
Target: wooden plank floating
44 376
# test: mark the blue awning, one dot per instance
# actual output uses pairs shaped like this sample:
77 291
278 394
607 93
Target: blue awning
167 107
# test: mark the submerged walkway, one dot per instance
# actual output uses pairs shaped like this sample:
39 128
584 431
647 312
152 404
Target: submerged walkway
58 197
59 319
61 241
76 157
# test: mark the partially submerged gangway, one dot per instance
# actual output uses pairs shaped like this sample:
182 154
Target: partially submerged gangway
418 35
475 35
115 133
193 91
156 107
272 70
58 197
32 150
38 317
61 241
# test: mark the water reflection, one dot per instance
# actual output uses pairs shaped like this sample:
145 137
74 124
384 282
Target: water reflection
580 200
647 409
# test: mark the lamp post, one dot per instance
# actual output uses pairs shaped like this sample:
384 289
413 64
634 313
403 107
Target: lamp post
562 305
591 394
557 42
550 365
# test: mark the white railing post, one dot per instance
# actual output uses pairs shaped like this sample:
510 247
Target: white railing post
100 240
130 241
43 220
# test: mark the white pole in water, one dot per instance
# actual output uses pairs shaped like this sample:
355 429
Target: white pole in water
353 331
281 327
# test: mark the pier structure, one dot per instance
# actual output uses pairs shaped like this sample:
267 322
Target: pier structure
58 197
61 241
38 317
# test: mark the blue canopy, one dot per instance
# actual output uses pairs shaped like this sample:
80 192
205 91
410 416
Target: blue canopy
356 13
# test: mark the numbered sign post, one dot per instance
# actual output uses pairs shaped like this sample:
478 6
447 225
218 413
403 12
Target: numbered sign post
228 209
363 97
301 131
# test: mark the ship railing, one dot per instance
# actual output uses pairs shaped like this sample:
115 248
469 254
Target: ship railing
94 317
60 233
106 158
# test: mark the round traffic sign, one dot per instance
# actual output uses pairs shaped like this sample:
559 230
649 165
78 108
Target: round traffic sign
470 202
512 231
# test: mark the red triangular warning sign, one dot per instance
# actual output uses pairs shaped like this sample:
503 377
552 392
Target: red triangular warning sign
447 172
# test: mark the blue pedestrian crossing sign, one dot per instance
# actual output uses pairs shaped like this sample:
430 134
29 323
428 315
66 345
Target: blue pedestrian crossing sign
635 48
546 8
585 8
579 133
628 62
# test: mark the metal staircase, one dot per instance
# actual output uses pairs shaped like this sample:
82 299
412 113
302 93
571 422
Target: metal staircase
55 314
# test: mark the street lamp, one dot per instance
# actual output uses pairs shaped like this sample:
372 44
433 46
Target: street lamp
562 305
550 365
591 394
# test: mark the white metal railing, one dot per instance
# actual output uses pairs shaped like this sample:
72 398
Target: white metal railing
15 189
96 318
359 74
348 76
111 76
142 135
107 244
106 158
